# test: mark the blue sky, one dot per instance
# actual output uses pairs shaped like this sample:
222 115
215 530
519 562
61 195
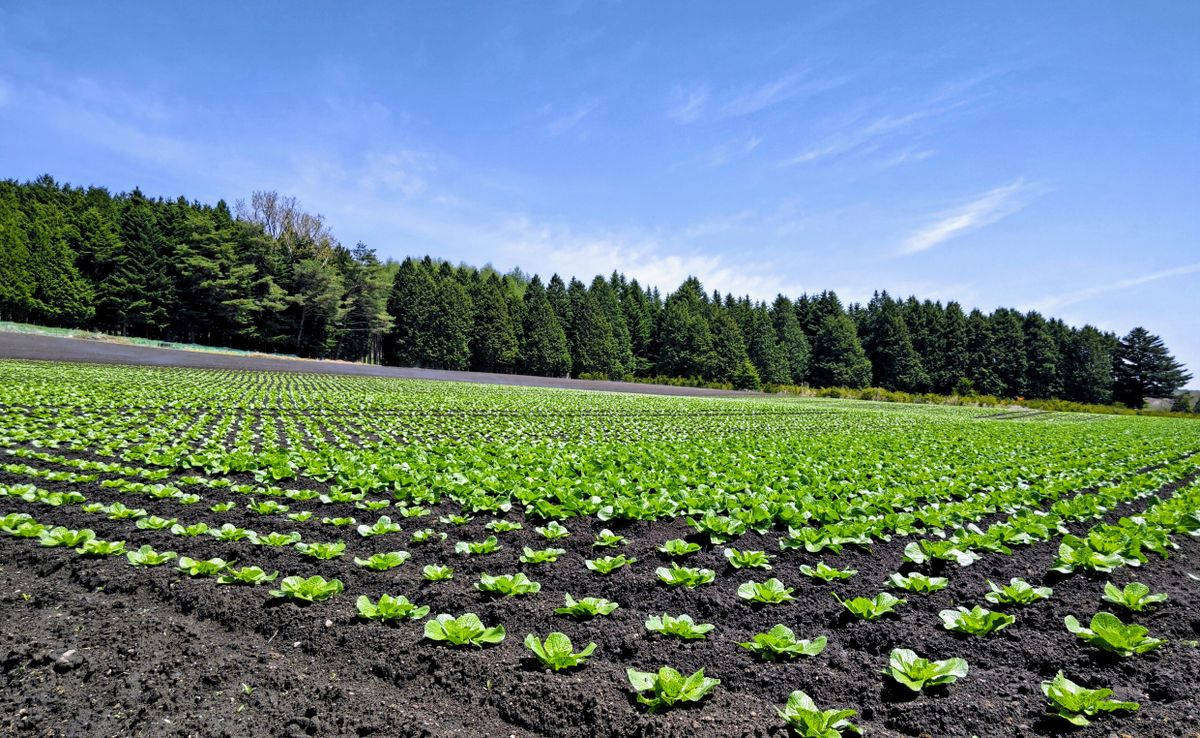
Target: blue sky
1036 155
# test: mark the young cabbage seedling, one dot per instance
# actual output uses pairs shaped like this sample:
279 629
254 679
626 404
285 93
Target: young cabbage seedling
455 519
917 582
275 540
97 547
1110 634
428 535
1135 596
322 551
252 575
154 522
437 573
780 641
557 652
147 556
477 548
977 621
607 539
681 627
383 561
748 559
771 591
608 564
190 531
230 532
826 573
544 556
1016 592
678 547
810 721
503 526
507 585
465 630
553 531
201 567
381 527
1075 553
917 673
684 576
389 608
313 589
1076 704
58 536
871 608
668 687
586 607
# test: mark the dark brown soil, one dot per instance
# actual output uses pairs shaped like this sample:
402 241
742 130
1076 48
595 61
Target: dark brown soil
153 652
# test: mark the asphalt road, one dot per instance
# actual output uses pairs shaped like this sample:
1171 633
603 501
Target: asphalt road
56 348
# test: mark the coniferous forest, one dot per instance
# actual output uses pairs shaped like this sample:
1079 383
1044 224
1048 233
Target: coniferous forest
265 275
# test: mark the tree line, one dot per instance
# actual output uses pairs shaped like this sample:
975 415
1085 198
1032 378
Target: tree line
267 276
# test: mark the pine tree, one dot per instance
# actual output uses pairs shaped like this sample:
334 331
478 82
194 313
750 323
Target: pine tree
1088 366
953 347
409 305
16 282
792 341
556 293
895 364
1182 404
1144 368
365 317
493 337
1008 336
605 297
544 348
729 347
685 335
639 318
1043 371
593 350
447 340
61 296
762 345
838 359
981 350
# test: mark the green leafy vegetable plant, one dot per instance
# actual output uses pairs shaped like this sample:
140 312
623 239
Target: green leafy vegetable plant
1135 596
201 567
585 607
544 556
276 540
771 591
748 559
383 561
917 673
507 585
810 721
553 531
1016 592
1107 632
977 621
427 535
477 548
190 531
313 589
780 641
685 576
58 536
557 652
389 608
503 526
230 532
668 687
608 564
153 522
678 547
681 626
1078 705
437 573
607 539
323 551
147 556
465 630
917 582
381 527
97 547
252 575
871 608
826 573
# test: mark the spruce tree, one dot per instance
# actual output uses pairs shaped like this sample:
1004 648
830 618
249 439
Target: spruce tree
1088 366
556 293
447 340
593 350
61 296
982 361
1043 373
639 318
838 359
792 340
1144 368
953 346
544 348
16 282
493 337
762 345
685 336
604 296
409 305
729 347
1008 340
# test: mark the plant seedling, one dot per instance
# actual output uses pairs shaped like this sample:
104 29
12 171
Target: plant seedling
383 561
917 582
668 687
1017 592
322 551
1076 704
465 630
810 721
437 573
389 608
1107 632
826 573
608 564
147 556
557 652
246 575
545 556
684 576
607 539
977 621
748 559
681 627
313 589
201 567
507 585
771 591
780 641
1135 596
477 548
871 608
553 531
585 607
917 673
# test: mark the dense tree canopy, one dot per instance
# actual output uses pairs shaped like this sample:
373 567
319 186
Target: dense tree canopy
268 276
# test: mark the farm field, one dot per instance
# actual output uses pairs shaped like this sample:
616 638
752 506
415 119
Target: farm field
666 506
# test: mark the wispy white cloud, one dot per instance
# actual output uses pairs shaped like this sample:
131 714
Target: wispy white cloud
730 150
1054 302
980 211
689 105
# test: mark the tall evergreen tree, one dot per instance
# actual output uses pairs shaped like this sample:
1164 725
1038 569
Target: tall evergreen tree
494 345
953 347
604 296
1144 368
762 345
1088 366
982 362
685 335
1008 337
16 281
556 293
640 316
838 359
409 305
593 350
793 343
1043 361
544 348
729 347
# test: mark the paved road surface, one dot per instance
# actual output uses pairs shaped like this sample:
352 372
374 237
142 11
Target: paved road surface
56 348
